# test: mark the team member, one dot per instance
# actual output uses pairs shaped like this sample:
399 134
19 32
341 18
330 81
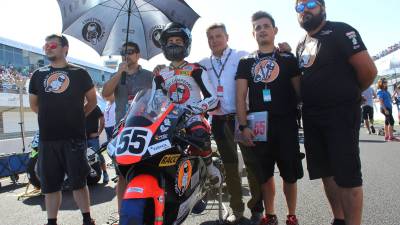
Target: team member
221 68
336 68
271 80
124 85
57 94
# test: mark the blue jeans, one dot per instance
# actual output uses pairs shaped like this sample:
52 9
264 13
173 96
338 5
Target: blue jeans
109 132
94 143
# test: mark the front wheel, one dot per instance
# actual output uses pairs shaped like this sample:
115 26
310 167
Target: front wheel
31 171
132 211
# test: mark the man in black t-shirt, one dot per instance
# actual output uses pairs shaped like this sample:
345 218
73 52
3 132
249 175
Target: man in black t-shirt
271 80
336 67
57 94
94 127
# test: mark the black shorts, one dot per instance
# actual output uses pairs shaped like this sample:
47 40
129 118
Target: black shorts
57 158
282 148
331 141
368 112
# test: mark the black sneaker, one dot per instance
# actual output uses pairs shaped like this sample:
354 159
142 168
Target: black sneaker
91 223
234 218
255 218
338 222
373 129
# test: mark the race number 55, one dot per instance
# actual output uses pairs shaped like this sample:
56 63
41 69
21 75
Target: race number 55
133 141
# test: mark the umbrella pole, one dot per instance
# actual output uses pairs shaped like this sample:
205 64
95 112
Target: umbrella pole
123 78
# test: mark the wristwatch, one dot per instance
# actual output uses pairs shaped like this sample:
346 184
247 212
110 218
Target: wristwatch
242 127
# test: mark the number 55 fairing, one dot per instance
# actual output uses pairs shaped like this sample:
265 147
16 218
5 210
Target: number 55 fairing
164 181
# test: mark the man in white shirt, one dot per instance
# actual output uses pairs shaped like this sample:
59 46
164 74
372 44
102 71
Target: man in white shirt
109 116
221 67
367 106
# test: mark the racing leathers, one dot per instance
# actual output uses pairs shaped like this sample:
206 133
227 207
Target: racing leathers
189 85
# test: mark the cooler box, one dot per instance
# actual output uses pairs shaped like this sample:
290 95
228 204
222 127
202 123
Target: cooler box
12 164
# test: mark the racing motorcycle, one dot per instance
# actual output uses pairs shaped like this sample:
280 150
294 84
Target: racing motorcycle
32 167
165 182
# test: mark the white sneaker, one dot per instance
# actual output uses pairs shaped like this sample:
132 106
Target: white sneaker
214 175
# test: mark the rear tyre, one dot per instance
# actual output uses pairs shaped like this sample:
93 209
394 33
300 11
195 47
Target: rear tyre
132 211
95 174
31 172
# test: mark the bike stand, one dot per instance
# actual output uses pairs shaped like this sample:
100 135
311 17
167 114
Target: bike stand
222 210
27 194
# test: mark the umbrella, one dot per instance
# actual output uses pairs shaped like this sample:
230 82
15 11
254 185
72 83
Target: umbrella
105 25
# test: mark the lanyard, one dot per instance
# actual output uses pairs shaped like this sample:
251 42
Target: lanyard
257 59
218 75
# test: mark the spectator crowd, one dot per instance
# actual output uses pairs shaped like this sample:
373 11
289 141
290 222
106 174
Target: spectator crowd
387 51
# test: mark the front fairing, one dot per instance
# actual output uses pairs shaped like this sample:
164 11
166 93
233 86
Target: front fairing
148 129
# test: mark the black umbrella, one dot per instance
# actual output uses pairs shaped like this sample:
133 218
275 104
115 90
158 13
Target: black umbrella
105 25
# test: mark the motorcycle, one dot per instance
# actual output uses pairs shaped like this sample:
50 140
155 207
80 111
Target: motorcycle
32 166
165 182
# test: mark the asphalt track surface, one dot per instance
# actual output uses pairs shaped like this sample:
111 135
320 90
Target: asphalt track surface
381 173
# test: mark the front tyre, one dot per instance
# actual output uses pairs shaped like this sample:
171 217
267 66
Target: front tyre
31 171
132 211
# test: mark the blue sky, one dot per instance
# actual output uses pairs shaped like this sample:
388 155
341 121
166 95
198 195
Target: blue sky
29 21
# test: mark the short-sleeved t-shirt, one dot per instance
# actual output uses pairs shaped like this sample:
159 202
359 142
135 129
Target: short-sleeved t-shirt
385 96
124 93
92 121
328 79
368 95
61 93
273 71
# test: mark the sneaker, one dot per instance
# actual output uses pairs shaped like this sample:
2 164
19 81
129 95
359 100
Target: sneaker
269 220
214 175
234 218
368 132
393 139
292 220
91 223
373 129
255 218
106 178
338 222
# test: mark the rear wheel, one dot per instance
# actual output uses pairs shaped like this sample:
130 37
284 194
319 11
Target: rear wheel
31 171
95 174
132 211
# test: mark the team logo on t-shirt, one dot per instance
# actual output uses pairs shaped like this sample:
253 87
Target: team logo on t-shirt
57 82
179 93
309 54
266 70
352 35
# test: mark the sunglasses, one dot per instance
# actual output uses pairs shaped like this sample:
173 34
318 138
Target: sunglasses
128 52
309 5
51 45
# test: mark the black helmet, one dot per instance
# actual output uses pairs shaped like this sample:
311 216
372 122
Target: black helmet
174 52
